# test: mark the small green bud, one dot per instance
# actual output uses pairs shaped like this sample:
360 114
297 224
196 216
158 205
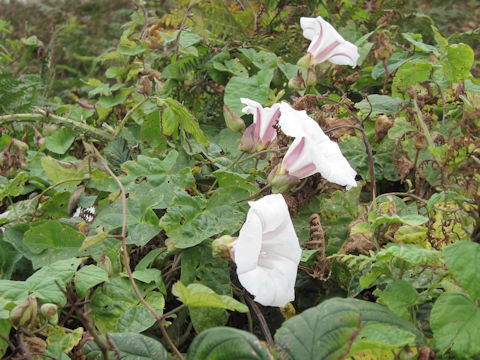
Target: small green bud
306 61
25 313
221 246
171 247
281 181
49 312
20 145
311 76
248 142
297 82
49 129
106 264
233 121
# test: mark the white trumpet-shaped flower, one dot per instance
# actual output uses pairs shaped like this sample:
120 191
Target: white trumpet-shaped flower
262 132
312 151
327 43
267 252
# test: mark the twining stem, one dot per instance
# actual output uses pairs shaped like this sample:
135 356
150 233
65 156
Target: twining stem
23 347
126 258
261 319
255 155
421 121
266 187
226 169
127 116
59 120
39 196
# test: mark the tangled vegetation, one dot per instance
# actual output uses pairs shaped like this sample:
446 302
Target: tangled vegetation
119 177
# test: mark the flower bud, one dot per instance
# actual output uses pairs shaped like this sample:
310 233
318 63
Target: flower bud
49 129
171 247
281 181
233 121
221 246
306 61
38 139
105 264
20 145
25 313
248 143
49 312
311 76
297 82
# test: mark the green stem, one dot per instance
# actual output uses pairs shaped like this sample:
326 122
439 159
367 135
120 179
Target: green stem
421 122
59 120
255 155
127 116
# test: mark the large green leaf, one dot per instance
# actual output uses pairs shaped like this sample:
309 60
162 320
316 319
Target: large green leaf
409 74
110 302
60 141
87 277
463 261
52 240
131 346
191 220
160 175
328 330
398 296
459 60
227 343
14 187
42 284
379 104
454 320
197 295
381 336
58 171
5 326
199 266
255 88
413 254
8 258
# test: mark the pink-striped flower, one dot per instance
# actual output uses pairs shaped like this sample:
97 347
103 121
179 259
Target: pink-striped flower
327 44
311 152
261 133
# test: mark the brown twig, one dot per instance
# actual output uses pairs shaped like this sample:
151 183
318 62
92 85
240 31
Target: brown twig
7 340
182 25
103 346
126 257
23 347
46 355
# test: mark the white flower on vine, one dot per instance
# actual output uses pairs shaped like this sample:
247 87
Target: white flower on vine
327 43
312 151
267 252
262 132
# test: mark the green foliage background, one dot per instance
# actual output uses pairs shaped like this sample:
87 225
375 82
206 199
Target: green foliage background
118 106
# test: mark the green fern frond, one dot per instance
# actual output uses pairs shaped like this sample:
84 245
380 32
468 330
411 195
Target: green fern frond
18 95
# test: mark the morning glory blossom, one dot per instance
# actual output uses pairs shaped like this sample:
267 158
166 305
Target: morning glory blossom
312 151
262 132
327 44
267 252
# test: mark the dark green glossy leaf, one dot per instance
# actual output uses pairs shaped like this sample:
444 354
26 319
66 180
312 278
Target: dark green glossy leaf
454 320
131 346
463 261
227 343
326 331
